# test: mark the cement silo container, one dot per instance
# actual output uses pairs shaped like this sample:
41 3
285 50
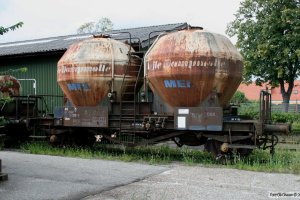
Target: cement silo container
193 67
92 68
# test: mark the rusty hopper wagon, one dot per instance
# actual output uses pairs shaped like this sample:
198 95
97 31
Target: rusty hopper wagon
179 89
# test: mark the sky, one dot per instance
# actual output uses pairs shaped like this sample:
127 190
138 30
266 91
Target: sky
47 18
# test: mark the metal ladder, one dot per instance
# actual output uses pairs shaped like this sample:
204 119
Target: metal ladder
128 101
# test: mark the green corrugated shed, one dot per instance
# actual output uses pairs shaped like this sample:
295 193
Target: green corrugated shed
43 70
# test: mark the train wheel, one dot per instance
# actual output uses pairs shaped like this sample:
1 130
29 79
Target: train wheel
245 152
213 146
83 137
16 134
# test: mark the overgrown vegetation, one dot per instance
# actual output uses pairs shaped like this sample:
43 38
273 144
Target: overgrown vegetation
259 160
238 98
151 154
250 110
282 161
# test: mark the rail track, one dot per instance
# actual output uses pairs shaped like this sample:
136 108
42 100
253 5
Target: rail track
285 142
289 142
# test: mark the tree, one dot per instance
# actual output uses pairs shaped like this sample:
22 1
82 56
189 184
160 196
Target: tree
4 30
104 24
268 36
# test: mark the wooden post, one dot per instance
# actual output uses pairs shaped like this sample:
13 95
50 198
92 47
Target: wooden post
3 177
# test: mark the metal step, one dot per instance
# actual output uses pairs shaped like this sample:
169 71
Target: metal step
128 102
241 146
127 109
132 131
133 71
127 119
128 93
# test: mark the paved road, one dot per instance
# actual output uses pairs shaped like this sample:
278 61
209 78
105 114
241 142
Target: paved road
196 183
52 177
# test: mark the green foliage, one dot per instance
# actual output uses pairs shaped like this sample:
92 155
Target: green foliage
4 30
11 71
238 98
102 25
3 121
285 117
4 100
268 36
249 110
296 127
6 84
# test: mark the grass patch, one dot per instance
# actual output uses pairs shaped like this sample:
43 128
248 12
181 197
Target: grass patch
296 127
150 154
283 161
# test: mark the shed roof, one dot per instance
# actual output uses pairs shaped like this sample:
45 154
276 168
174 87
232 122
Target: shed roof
61 43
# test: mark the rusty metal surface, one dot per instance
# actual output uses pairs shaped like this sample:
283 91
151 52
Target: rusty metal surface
91 68
85 116
193 67
278 128
246 126
199 118
9 86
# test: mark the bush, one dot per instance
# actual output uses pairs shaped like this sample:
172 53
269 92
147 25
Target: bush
285 117
249 110
3 121
238 98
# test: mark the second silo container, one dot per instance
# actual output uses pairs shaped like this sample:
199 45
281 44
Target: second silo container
193 67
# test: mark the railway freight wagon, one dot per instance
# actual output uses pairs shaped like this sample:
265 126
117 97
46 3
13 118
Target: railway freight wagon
179 89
